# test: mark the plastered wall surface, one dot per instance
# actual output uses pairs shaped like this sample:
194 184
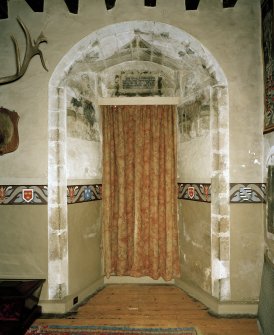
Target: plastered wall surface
84 159
246 261
23 247
84 244
29 97
195 243
198 167
245 140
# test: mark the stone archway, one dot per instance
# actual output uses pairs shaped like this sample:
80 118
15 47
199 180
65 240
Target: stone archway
143 45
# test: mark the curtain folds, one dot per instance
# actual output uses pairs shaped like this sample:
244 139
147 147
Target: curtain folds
140 233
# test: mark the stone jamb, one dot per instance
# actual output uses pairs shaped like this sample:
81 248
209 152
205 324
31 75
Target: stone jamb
220 211
57 196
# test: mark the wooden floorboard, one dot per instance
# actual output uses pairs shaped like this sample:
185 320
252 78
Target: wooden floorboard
153 306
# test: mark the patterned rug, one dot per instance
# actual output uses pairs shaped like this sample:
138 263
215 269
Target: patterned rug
104 330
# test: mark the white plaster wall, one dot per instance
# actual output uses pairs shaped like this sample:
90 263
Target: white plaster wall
246 106
84 159
194 160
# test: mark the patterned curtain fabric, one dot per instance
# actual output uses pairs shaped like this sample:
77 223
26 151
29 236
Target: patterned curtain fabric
140 232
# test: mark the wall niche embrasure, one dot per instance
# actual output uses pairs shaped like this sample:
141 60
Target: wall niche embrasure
139 58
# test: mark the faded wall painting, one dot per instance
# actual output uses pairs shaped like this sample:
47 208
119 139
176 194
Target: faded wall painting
194 116
83 139
194 138
81 120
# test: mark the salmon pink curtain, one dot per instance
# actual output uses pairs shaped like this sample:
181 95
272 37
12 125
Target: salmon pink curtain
140 233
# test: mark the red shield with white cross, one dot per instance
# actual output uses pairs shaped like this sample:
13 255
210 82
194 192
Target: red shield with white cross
191 192
27 194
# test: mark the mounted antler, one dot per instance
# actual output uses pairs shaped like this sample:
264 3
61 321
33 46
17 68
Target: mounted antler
31 50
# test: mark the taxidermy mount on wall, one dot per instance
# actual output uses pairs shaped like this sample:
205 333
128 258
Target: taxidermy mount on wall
32 49
9 138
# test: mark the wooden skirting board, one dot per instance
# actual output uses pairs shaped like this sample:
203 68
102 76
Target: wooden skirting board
218 307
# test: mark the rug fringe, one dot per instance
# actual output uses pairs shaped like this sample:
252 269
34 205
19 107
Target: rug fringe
109 330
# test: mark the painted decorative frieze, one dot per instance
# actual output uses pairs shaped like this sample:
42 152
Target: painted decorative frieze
38 194
248 193
194 192
23 195
83 193
239 193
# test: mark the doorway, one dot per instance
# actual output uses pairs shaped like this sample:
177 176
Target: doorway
183 75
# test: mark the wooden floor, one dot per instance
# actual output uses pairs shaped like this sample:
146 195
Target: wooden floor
153 306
